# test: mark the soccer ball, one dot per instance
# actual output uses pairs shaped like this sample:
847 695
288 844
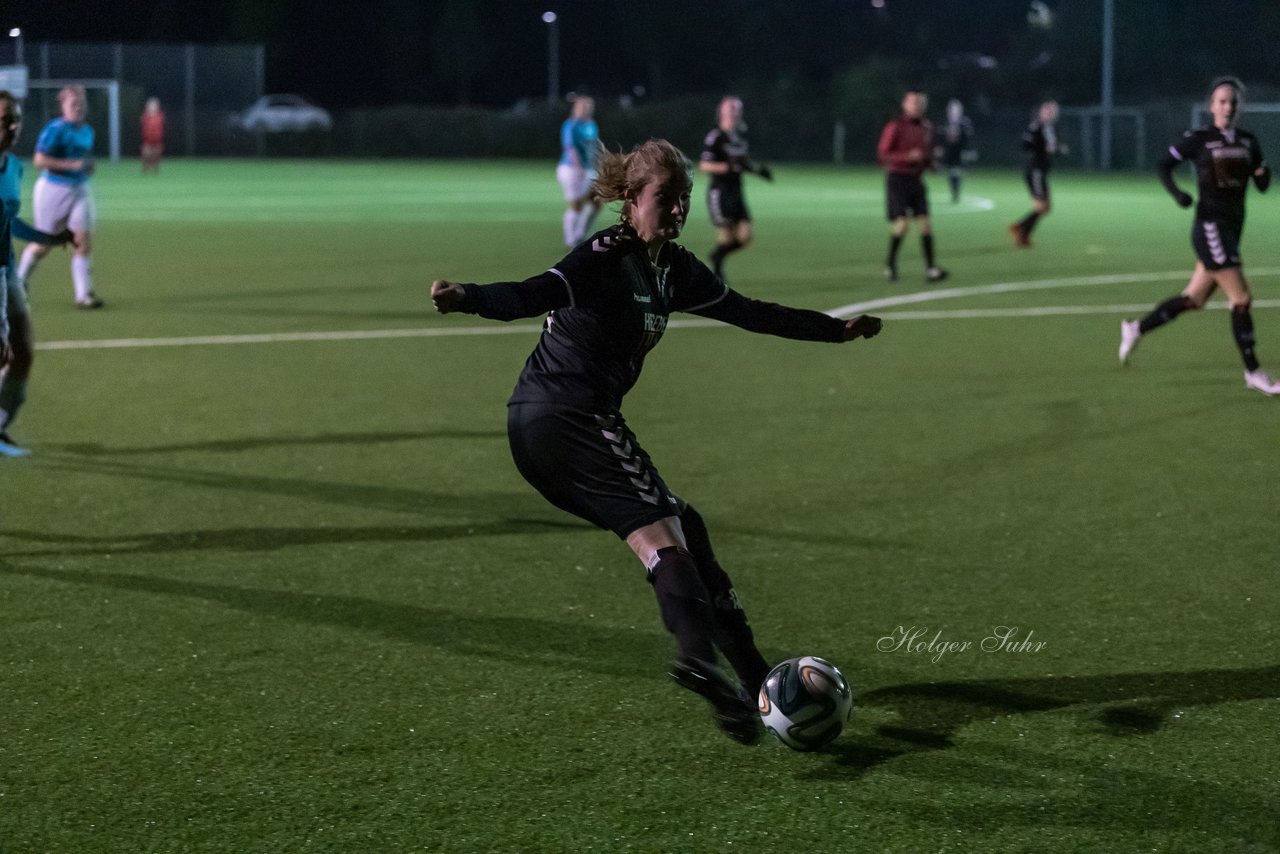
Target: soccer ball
805 702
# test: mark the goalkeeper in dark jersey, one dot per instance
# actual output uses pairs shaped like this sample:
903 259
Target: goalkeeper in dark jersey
1226 159
609 300
725 159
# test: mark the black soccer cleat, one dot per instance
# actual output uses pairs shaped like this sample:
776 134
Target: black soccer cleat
736 717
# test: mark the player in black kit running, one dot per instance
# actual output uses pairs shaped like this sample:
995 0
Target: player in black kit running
724 158
1040 142
1225 158
609 300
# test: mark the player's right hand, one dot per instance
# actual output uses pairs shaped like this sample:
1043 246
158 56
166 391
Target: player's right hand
1184 199
862 326
446 296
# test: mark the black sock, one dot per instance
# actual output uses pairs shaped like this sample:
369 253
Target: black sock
1163 313
684 603
955 187
1242 329
718 255
717 260
894 242
733 632
926 243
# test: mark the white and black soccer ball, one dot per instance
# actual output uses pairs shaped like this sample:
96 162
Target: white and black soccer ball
805 702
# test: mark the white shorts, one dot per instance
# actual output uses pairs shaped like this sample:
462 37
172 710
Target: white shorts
575 180
58 206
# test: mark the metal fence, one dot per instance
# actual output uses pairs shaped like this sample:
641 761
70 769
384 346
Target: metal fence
199 86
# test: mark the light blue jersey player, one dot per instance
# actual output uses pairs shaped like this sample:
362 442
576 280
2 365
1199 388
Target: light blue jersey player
15 315
579 147
62 197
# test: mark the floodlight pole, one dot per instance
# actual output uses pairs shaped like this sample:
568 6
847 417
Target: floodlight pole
1108 73
553 56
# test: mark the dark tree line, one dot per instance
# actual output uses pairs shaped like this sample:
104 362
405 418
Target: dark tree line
495 53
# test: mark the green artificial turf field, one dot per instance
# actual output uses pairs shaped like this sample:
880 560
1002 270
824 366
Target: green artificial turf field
288 593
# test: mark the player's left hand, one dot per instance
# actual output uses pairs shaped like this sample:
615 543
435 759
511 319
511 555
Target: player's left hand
862 326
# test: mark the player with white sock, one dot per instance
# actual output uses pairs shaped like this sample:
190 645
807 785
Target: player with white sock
63 198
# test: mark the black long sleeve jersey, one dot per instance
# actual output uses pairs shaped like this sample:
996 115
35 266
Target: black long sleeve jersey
1040 142
609 306
1224 160
731 148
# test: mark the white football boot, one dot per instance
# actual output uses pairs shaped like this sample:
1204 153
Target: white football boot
1129 335
1262 381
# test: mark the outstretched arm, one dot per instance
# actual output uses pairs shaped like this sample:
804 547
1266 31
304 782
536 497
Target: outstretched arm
503 300
1165 170
24 231
796 323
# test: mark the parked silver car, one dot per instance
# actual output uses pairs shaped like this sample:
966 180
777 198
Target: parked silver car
279 113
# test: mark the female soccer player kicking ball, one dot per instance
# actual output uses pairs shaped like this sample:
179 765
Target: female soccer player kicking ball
609 300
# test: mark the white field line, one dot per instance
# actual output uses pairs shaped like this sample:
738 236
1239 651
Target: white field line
843 311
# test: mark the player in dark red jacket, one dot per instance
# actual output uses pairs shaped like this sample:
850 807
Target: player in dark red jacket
906 151
609 300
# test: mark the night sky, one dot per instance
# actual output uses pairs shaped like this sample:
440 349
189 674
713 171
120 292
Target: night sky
494 52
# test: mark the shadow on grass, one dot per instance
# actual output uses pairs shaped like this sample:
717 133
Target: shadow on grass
1122 705
359 495
250 443
522 640
122 462
269 539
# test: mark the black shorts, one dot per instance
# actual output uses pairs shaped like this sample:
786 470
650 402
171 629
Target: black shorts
1217 243
905 196
727 206
1038 183
588 464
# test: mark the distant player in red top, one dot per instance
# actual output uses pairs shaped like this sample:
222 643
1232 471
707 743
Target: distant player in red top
152 135
906 151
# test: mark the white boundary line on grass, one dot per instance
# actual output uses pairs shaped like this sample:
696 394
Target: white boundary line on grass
842 311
